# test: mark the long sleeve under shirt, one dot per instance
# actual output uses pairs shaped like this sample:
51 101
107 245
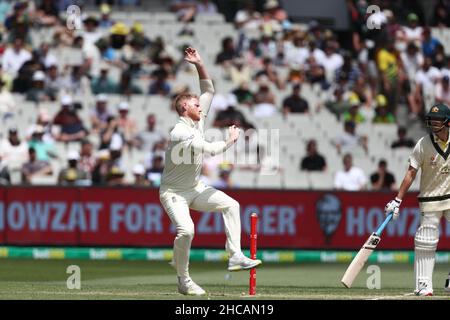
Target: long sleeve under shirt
187 144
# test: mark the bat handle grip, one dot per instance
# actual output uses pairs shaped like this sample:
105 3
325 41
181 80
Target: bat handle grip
384 224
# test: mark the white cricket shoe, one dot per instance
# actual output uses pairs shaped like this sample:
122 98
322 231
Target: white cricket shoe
188 287
240 262
424 290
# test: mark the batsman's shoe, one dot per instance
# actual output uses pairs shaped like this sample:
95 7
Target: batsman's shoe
240 262
425 289
189 288
425 292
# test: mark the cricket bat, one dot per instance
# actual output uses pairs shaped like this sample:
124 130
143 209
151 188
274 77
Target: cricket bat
361 258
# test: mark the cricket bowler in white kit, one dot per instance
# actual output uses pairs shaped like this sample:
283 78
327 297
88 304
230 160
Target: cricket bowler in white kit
432 155
181 188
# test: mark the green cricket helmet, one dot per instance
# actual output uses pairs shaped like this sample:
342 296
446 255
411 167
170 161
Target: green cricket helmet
438 112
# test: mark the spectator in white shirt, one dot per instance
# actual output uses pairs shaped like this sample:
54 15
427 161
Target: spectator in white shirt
331 61
14 57
412 60
349 140
425 79
248 18
442 93
413 32
47 58
350 178
13 150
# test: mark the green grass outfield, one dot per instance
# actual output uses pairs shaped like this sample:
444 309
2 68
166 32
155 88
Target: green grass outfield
121 279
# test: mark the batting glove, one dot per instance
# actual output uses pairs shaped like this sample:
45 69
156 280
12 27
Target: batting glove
393 206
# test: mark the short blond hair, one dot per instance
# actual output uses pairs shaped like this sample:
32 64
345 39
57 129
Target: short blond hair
180 99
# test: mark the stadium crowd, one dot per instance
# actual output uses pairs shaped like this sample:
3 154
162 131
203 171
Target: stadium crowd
381 70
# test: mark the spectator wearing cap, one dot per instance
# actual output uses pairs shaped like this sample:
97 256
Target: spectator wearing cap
402 139
353 113
146 139
71 127
295 103
38 92
139 176
34 167
42 122
126 124
274 17
349 140
115 176
72 174
119 33
382 179
442 91
382 113
14 57
350 178
100 114
313 161
413 31
44 150
105 21
13 150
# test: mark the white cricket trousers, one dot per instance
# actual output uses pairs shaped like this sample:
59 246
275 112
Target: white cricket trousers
425 244
204 198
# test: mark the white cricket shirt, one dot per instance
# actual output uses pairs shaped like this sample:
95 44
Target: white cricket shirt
187 144
429 156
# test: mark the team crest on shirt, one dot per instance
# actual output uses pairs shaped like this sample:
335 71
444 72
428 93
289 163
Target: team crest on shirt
445 170
433 161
